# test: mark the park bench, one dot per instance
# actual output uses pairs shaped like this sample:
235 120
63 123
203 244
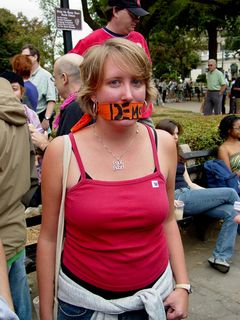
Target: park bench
195 161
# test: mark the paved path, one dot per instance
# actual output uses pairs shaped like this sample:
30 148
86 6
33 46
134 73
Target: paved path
215 296
193 106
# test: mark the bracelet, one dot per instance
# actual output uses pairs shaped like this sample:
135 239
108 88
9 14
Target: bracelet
185 286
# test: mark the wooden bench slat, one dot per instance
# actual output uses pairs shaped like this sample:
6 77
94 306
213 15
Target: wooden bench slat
198 154
34 220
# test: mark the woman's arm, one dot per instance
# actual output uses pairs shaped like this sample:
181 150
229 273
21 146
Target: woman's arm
4 284
224 155
51 198
177 301
189 181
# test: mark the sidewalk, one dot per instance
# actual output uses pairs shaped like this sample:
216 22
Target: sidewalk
193 106
216 296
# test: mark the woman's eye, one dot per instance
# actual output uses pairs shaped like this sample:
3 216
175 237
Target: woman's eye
137 83
114 83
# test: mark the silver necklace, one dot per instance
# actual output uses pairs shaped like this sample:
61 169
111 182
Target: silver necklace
118 163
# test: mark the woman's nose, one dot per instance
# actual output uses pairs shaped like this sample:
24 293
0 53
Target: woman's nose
127 92
175 136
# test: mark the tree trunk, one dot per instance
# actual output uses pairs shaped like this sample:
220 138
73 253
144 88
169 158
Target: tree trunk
212 41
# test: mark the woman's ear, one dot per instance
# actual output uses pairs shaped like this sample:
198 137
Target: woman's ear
94 98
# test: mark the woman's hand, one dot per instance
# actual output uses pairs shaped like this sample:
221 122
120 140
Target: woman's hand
40 140
176 305
178 203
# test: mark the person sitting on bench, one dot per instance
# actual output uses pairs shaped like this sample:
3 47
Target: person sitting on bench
214 202
229 151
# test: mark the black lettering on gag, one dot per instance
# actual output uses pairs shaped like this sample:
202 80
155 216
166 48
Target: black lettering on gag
119 114
123 111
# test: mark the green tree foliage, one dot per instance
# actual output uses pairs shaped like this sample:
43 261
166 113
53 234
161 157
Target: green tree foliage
233 38
210 16
15 31
7 45
170 52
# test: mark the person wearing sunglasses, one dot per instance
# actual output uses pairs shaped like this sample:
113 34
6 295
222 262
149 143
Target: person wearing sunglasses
216 85
122 19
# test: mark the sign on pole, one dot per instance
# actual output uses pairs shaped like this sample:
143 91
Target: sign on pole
68 19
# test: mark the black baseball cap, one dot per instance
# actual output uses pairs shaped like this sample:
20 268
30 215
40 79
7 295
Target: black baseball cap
12 77
133 6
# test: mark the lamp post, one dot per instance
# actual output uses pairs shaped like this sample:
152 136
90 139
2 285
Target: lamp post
67 35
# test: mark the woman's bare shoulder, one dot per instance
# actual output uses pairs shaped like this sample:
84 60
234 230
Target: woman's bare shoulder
55 147
165 139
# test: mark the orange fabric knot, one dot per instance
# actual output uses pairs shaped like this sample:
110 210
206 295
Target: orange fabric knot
83 122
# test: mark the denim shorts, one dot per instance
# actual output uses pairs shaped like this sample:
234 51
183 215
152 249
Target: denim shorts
67 311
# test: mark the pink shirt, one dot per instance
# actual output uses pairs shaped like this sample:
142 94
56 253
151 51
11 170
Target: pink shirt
101 35
114 229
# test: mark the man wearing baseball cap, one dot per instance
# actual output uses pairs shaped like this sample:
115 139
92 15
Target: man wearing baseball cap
133 6
122 19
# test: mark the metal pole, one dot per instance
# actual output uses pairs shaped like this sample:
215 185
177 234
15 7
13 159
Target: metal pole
67 35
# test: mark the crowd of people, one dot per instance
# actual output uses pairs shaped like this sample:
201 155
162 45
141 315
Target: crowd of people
122 255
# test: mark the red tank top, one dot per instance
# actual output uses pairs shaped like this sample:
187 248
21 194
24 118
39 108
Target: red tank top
114 229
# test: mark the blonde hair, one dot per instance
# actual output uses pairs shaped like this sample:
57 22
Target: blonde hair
127 55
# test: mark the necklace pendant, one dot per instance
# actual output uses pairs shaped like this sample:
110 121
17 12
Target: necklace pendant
118 165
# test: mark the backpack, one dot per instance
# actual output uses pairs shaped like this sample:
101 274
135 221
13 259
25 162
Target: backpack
219 175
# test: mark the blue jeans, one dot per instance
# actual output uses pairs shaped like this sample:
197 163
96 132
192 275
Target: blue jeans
20 289
67 311
216 203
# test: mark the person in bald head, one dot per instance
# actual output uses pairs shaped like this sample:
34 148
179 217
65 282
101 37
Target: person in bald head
67 81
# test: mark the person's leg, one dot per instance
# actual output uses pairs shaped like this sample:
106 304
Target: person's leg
20 290
217 203
164 96
237 101
208 109
223 104
198 201
227 235
217 102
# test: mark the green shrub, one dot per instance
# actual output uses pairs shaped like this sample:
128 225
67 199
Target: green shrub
200 132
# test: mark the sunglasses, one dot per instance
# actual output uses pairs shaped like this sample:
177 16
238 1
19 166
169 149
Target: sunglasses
133 16
210 65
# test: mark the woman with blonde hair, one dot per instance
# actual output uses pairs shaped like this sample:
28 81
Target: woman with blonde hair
122 249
